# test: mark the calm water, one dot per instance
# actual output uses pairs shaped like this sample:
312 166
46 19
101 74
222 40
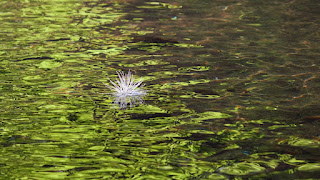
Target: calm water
233 89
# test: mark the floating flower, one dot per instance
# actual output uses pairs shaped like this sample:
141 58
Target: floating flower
126 90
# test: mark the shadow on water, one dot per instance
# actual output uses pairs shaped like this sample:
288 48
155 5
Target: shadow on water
232 89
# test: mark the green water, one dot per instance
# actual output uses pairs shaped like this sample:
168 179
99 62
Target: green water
233 89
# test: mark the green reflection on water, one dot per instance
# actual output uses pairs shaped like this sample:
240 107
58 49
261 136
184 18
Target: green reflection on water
227 96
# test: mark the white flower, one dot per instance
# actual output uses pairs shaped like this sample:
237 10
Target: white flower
126 90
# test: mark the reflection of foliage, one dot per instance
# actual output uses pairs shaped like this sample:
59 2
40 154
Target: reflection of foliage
228 97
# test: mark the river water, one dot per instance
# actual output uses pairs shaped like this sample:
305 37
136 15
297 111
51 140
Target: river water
233 89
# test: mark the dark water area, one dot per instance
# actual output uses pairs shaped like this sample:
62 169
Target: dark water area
233 89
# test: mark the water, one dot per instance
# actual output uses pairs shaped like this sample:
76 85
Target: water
232 89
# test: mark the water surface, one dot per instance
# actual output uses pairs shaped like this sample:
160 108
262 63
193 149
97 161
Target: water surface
233 89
